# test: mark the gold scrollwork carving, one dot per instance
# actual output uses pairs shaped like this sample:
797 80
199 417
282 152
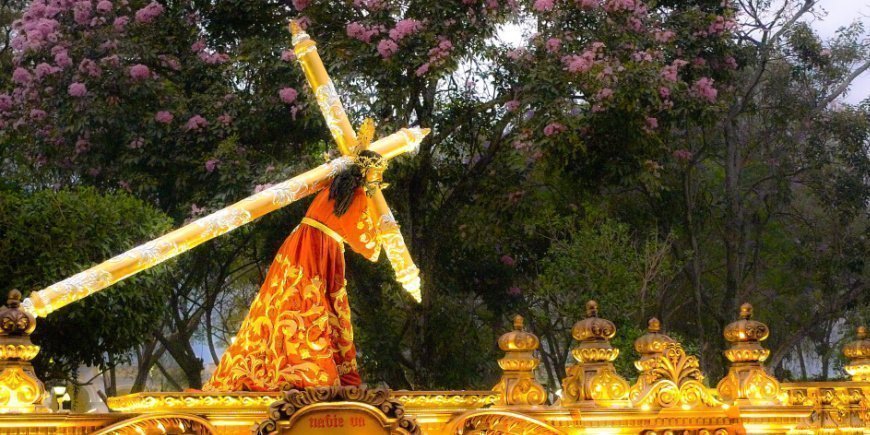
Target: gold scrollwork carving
675 379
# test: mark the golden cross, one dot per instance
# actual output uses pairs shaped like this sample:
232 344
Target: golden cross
350 144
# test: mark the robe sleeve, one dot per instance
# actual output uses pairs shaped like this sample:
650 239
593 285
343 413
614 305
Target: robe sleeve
359 228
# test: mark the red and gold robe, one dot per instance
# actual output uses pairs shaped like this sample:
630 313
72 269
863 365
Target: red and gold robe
298 332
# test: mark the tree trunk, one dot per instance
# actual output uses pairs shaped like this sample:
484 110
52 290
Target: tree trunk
147 357
695 270
178 346
733 222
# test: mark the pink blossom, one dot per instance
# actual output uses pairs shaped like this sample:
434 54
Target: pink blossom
37 114
21 76
5 102
120 23
104 6
704 88
422 70
440 51
515 291
543 5
198 46
664 35
652 123
300 5
670 72
82 145
149 12
405 28
604 94
139 71
387 48
170 62
730 63
362 33
579 63
512 105
699 62
683 154
507 260
196 210
587 4
211 165
553 45
261 187
112 60
516 54
288 95
82 12
641 56
554 128
43 69
213 58
163 117
665 92
719 25
61 57
619 5
89 67
288 56
225 119
196 123
77 89
136 143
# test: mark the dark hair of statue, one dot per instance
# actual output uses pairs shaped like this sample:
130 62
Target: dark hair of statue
345 184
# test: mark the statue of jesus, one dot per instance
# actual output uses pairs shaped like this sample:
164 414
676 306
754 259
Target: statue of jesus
298 331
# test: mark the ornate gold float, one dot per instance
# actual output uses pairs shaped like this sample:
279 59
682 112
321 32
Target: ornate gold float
670 397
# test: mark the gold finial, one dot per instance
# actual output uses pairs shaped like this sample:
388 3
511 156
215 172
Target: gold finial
518 385
594 328
746 311
591 309
593 378
746 330
518 323
654 325
298 34
651 344
747 381
23 390
858 354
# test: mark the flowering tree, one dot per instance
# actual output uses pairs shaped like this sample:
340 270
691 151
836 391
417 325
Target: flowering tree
194 104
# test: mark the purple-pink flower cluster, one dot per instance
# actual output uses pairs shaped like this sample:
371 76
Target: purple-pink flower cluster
288 95
196 123
149 13
704 89
361 32
139 72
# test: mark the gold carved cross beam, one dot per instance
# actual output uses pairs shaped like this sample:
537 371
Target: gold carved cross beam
346 139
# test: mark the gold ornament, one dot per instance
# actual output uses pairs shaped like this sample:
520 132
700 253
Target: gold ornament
650 345
593 378
858 354
518 385
668 377
20 390
747 382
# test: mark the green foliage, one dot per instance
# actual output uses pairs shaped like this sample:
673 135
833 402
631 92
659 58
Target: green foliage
49 235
